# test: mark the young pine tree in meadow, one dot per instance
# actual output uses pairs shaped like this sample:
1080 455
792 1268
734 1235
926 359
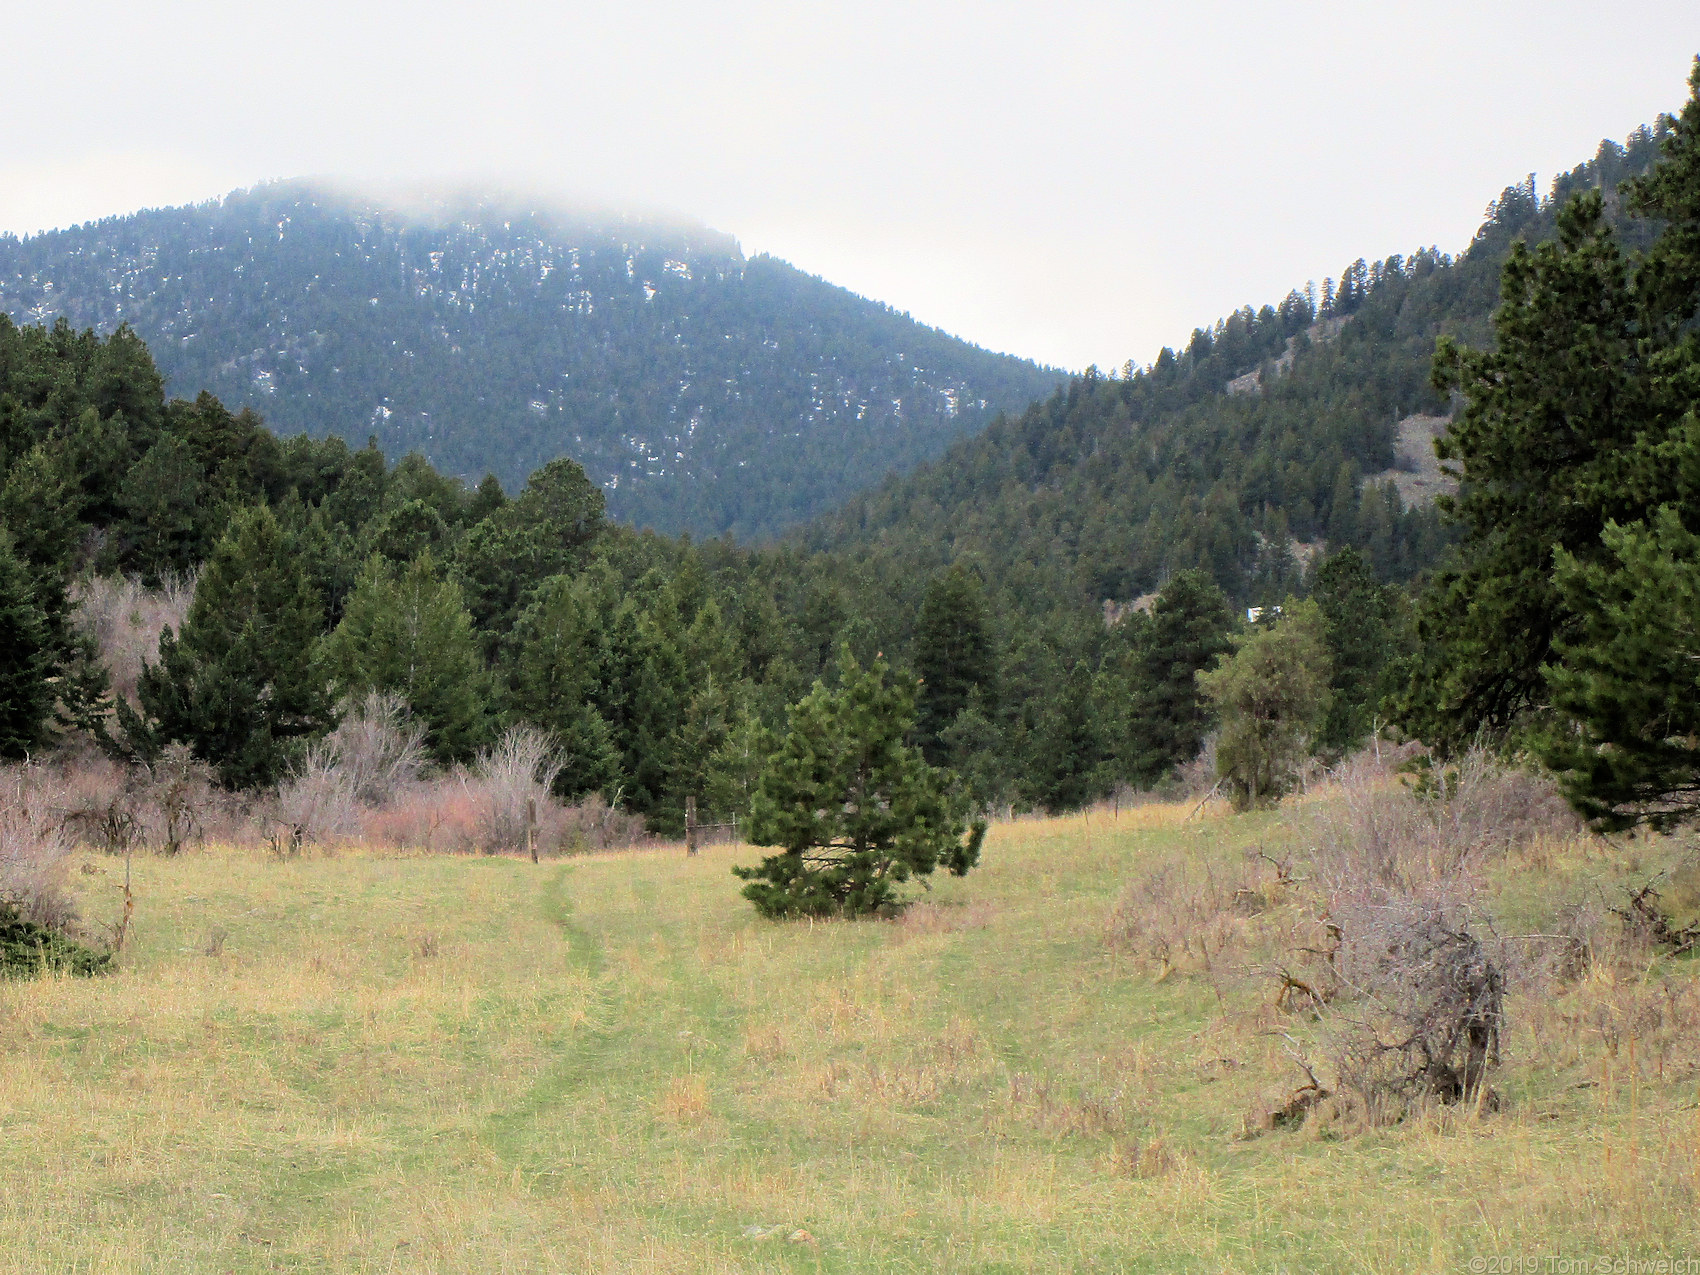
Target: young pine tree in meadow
855 810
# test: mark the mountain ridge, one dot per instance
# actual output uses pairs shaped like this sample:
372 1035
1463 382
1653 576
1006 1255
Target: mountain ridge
704 390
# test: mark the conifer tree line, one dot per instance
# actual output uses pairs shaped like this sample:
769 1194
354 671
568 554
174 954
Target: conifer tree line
661 668
1531 607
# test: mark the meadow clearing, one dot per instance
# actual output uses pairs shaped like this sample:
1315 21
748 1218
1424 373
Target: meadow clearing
368 1061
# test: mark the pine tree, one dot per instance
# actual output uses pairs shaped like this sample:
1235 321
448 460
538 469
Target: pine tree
240 684
26 694
856 811
953 655
1358 616
1541 445
1164 716
1581 417
557 679
1624 675
408 632
162 495
1065 769
1629 682
542 533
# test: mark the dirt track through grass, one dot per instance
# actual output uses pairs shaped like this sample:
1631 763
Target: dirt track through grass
390 1063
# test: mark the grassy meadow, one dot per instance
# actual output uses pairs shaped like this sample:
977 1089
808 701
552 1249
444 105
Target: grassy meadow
364 1061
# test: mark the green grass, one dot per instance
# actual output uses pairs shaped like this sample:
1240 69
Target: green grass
367 1062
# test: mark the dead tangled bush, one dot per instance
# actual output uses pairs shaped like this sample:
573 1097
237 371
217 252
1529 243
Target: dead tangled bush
1426 1012
1402 970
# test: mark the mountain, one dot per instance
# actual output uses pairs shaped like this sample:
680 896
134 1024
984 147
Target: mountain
703 390
1274 435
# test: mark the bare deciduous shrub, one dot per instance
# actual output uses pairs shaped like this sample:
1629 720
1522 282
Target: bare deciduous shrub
593 824
1577 938
518 770
1370 824
378 747
1647 923
1656 1025
101 805
126 619
34 847
179 802
316 803
165 806
1199 777
435 815
1405 974
375 753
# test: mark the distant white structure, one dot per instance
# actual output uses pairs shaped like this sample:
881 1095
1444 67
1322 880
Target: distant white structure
1254 614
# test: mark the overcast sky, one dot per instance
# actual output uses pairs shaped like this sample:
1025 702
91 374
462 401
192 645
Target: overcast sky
1071 181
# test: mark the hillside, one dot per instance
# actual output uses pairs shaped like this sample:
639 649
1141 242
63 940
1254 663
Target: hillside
1273 433
703 391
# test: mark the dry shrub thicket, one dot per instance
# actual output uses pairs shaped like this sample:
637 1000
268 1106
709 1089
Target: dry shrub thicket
367 781
167 806
1379 936
1409 980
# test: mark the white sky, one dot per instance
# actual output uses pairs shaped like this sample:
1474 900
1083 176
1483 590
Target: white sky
1073 181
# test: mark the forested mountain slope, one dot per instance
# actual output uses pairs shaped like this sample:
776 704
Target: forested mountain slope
1269 437
701 390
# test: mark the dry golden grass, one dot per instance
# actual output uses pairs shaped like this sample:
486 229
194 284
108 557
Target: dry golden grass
412 1063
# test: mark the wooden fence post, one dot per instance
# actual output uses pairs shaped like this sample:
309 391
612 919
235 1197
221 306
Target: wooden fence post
690 825
531 827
